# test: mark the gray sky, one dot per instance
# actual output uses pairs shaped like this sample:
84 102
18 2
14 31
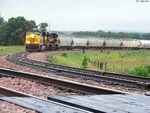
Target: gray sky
75 15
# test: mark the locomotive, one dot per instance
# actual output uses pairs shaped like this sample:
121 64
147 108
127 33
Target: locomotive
36 40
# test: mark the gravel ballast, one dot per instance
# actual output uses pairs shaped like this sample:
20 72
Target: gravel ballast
39 89
31 87
42 56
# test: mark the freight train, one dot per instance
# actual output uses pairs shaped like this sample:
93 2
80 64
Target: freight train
38 41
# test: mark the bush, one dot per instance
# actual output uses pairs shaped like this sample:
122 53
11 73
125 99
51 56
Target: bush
140 71
85 62
147 67
64 54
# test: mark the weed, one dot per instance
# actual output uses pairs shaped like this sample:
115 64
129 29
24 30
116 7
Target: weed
85 62
64 54
140 71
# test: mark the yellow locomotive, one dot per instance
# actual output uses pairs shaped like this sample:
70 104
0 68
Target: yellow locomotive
36 41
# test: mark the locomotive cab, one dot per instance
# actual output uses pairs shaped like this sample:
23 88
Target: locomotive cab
32 40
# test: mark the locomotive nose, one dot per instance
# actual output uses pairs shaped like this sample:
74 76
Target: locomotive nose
32 36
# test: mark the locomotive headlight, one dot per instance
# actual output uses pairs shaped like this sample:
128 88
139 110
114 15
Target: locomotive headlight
28 42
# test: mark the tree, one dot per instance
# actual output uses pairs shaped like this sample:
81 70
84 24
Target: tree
13 31
110 34
1 24
1 20
29 25
43 26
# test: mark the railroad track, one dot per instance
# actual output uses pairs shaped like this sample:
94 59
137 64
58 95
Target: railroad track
108 78
38 104
43 105
65 84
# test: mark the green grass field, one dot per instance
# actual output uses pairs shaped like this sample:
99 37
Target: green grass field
5 50
115 61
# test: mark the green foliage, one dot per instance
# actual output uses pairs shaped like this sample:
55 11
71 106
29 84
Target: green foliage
117 61
147 67
109 34
140 71
12 32
64 54
85 62
1 20
43 26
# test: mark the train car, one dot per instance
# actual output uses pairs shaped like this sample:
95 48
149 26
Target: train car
36 41
65 42
145 44
113 43
131 44
95 43
79 43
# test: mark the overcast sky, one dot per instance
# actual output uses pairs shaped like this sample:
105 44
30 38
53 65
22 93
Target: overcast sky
75 15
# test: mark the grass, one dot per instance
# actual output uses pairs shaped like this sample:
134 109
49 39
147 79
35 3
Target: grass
115 61
8 50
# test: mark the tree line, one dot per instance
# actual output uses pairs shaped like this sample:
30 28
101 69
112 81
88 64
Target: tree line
12 32
110 34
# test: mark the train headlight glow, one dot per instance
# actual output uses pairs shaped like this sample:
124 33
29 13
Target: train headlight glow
27 42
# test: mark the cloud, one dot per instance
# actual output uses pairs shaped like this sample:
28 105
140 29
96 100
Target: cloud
121 15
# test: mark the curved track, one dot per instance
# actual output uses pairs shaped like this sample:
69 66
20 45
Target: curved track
109 78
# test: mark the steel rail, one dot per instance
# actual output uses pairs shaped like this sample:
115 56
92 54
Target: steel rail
75 86
38 104
109 78
11 93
